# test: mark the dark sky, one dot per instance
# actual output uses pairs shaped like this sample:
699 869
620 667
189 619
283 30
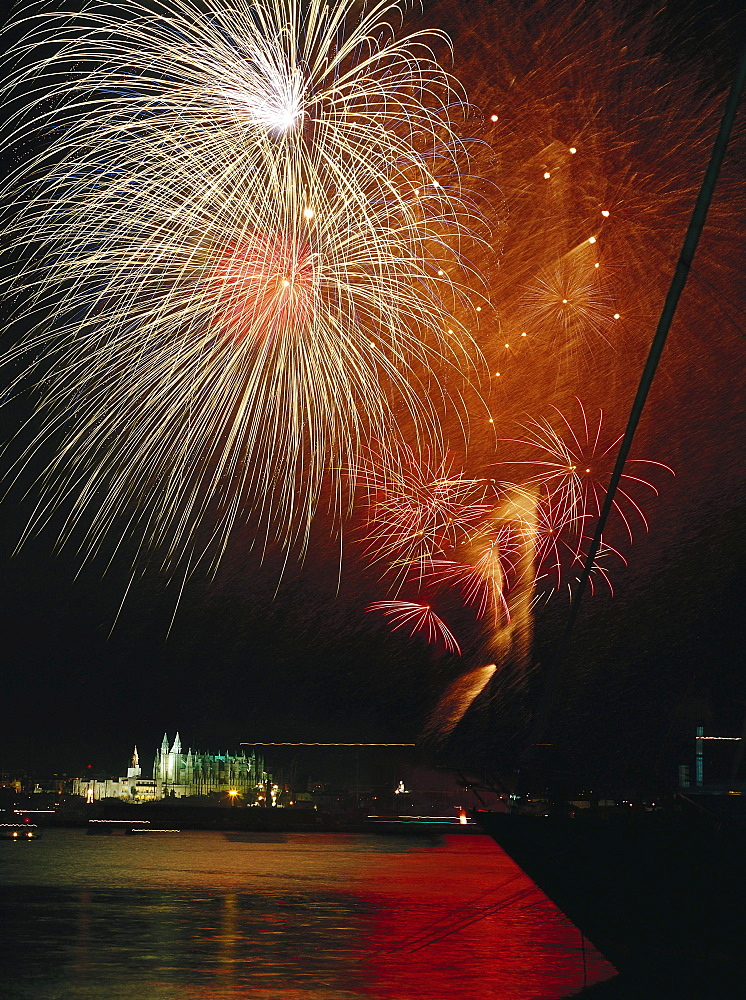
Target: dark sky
247 660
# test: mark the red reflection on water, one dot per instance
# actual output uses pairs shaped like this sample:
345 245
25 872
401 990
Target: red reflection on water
470 923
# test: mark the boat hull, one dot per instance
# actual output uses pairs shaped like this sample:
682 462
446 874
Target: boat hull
660 895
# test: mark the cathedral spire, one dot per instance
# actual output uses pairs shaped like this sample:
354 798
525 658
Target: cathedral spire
176 748
164 743
133 771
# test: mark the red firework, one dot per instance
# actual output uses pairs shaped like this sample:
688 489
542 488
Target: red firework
483 580
418 618
421 509
574 467
265 287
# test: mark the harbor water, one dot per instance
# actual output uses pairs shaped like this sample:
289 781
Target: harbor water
303 916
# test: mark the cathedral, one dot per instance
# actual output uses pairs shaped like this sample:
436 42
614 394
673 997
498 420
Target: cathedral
177 774
193 773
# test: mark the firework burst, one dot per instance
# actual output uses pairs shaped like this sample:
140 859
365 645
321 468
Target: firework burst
421 508
482 578
417 618
574 466
238 218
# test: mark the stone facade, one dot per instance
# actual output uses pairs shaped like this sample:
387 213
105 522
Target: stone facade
177 775
194 773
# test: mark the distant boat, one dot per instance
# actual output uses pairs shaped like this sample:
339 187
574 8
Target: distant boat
19 831
419 825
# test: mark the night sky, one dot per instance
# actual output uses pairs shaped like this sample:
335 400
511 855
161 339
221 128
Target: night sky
247 659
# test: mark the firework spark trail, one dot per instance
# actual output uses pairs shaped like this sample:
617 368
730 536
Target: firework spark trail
241 219
481 583
511 639
575 467
574 463
560 552
420 508
455 702
418 618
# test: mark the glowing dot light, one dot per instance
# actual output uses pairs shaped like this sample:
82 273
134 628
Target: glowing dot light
605 213
592 239
547 175
617 316
308 213
493 118
573 149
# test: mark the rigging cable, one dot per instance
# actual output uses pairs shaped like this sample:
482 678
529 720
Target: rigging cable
678 282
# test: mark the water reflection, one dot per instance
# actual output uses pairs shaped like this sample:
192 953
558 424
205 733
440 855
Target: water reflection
307 917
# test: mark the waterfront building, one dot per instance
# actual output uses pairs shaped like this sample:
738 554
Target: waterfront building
179 774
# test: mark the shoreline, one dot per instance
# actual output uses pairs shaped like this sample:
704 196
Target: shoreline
111 818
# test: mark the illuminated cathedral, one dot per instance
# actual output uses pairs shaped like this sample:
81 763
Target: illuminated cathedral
194 773
178 775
